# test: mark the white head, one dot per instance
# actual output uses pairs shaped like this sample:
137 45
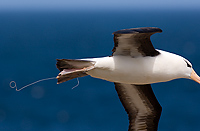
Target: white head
177 66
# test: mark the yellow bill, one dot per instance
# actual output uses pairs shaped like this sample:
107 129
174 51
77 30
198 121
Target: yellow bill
195 77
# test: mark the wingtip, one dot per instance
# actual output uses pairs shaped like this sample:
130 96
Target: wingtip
139 30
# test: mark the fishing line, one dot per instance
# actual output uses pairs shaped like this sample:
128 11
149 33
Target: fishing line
14 85
76 84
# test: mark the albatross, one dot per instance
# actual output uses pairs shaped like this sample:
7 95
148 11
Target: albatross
133 66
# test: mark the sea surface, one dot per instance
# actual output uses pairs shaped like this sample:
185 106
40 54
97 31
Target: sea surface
31 41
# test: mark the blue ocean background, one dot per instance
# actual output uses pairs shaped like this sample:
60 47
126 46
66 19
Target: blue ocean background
31 41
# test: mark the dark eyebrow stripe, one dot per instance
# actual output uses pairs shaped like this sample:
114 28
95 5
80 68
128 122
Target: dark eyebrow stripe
188 65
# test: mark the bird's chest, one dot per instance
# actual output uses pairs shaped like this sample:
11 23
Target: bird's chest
127 70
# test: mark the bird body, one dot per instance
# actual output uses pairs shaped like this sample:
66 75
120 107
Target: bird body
140 70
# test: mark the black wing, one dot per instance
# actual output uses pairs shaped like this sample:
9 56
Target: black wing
135 42
141 106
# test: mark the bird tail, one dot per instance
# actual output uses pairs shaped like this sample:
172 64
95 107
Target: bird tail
70 69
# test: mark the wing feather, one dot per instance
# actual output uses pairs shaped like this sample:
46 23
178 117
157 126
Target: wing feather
141 106
135 42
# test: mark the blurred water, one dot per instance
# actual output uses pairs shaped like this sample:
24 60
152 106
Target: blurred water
30 43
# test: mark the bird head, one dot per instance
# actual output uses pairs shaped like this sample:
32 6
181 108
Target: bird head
192 74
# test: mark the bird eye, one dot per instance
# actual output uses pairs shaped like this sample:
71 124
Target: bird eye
188 64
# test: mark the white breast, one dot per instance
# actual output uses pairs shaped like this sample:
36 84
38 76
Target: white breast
140 70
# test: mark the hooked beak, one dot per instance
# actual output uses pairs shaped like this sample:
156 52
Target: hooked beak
195 77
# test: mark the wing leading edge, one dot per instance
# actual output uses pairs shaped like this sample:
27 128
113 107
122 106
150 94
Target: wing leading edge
141 105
